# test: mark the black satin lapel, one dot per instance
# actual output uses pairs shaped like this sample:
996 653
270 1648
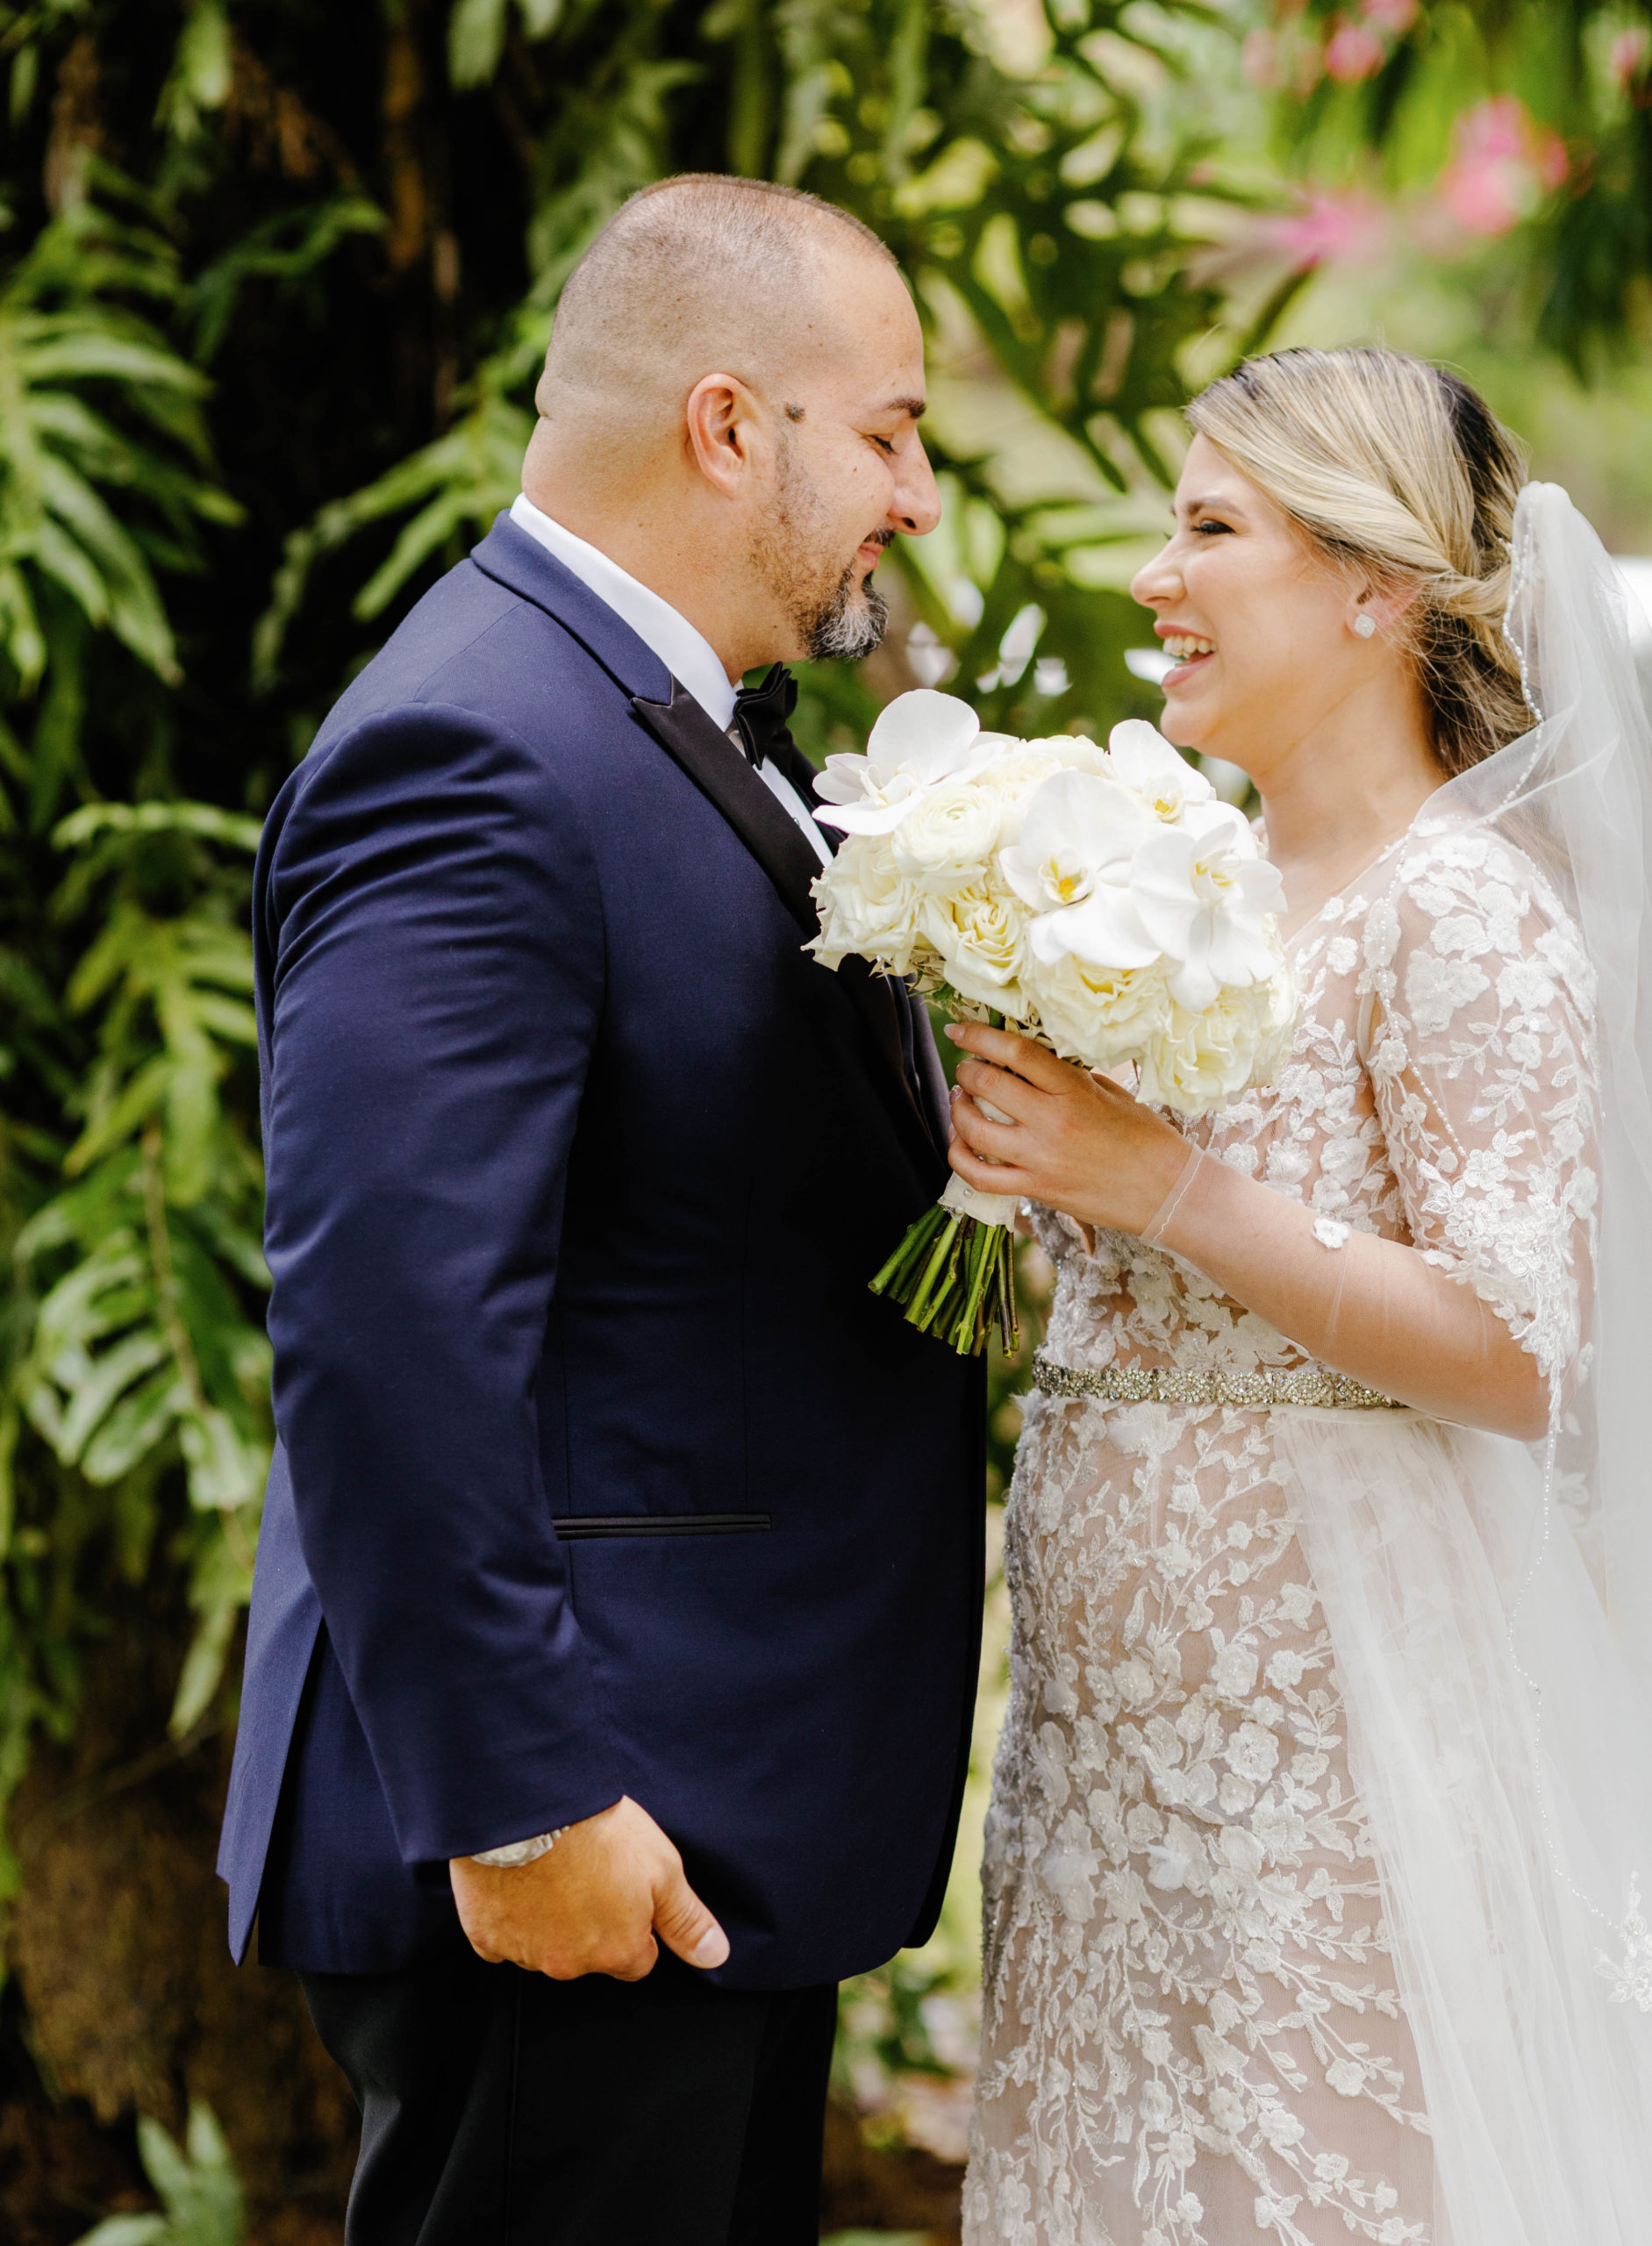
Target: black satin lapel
717 767
803 775
876 1000
937 1100
719 772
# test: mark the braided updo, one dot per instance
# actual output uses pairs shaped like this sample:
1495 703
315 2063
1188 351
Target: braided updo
1399 473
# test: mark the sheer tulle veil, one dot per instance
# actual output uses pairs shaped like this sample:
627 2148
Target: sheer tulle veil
1491 1604
1581 781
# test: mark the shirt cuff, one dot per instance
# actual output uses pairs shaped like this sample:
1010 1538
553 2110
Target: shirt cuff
514 1854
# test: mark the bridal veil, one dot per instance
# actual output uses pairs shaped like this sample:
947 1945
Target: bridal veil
1490 1603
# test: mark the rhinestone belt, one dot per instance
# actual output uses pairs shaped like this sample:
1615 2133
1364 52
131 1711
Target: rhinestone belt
1309 1385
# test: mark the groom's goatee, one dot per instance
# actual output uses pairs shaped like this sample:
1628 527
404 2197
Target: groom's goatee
846 630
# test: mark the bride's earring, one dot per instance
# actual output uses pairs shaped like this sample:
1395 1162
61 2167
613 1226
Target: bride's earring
1365 625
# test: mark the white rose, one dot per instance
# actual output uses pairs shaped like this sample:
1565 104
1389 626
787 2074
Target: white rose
868 906
1200 1061
949 831
1098 1016
980 933
1018 767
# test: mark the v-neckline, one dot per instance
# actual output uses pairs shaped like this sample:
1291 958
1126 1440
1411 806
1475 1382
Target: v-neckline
1339 894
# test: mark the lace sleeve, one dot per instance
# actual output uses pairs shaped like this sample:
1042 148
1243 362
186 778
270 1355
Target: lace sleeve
1476 1028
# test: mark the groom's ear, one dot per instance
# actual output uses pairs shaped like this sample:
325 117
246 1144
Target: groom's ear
728 434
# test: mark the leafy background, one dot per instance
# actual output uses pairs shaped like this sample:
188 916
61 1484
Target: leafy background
275 280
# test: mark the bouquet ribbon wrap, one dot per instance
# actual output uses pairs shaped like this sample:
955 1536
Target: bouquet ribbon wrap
963 1201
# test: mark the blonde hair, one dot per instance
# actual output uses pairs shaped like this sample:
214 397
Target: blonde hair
1397 471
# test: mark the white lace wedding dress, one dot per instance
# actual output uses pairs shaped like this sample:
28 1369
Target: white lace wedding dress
1195 2026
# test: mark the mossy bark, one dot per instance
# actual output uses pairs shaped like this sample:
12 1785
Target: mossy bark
123 2000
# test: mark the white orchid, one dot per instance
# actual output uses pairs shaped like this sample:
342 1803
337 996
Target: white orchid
1073 866
1142 758
1205 898
920 740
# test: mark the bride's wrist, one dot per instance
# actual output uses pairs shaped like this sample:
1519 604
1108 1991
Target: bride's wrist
1178 1171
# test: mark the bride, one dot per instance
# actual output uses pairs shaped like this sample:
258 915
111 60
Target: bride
1312 1901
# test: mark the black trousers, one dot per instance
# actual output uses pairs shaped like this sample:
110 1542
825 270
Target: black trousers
499 2109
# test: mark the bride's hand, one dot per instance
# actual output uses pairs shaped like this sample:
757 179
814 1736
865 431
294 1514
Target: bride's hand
1075 1141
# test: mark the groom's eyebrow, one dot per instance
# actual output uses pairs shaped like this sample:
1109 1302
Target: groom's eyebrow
915 406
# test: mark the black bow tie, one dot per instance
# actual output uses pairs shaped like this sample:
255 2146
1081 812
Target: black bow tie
760 714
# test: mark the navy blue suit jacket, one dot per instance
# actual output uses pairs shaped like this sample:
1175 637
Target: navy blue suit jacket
599 1470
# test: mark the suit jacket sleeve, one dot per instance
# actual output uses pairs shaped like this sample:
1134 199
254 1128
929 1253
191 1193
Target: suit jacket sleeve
434 927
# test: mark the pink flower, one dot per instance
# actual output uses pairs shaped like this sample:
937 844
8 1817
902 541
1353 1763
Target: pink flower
1348 229
1496 128
1354 51
1394 17
1259 59
1504 163
1550 161
1627 56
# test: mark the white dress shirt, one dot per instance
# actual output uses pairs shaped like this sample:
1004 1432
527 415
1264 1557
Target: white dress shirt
686 654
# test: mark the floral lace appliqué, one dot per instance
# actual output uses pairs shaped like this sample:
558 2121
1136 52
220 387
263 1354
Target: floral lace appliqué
1193 2034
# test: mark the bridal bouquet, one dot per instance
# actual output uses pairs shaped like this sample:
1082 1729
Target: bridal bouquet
1103 901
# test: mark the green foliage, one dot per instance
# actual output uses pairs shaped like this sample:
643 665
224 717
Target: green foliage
197 2185
129 1184
72 340
139 1270
1032 210
874 2238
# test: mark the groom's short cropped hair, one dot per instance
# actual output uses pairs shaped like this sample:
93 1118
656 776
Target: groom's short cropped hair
701 260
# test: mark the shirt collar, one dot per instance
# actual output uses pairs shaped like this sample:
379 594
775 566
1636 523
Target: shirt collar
688 655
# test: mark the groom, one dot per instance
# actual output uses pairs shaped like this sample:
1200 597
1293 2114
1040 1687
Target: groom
612 1648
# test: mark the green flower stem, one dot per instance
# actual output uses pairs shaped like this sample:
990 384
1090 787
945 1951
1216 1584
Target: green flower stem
954 1278
912 1249
981 1263
928 1298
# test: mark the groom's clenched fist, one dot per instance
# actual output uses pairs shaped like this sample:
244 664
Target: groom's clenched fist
593 1905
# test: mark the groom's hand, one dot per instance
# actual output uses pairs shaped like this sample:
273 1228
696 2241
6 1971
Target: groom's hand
593 1905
